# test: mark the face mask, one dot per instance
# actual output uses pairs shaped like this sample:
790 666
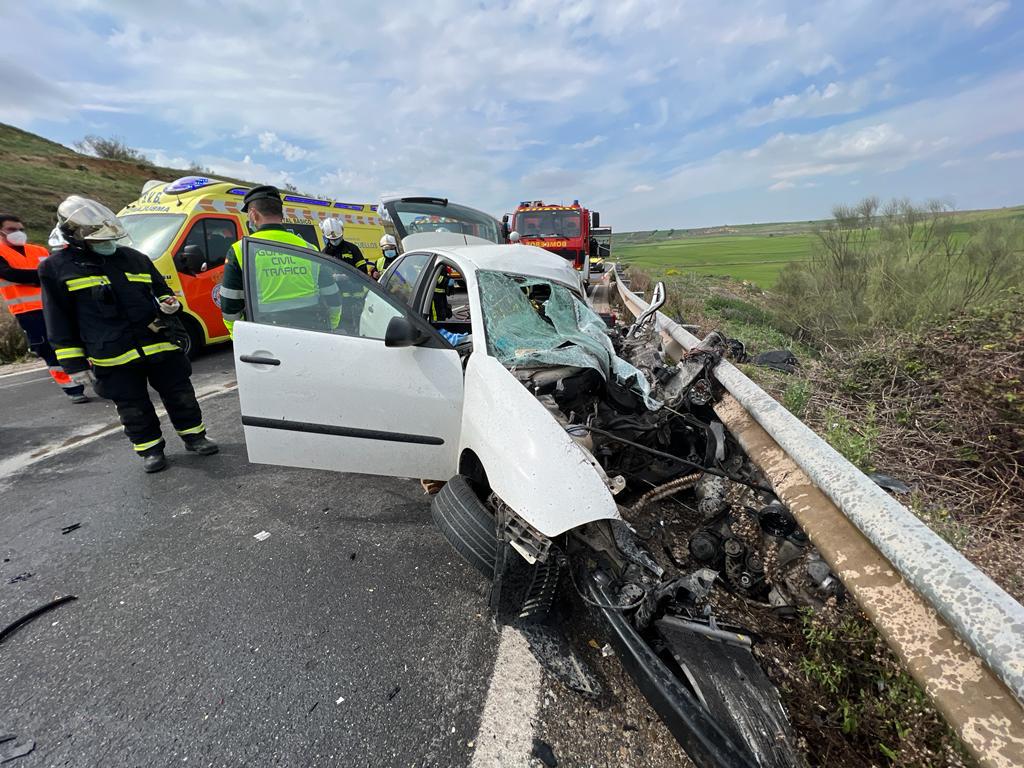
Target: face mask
249 226
390 253
104 248
17 239
334 240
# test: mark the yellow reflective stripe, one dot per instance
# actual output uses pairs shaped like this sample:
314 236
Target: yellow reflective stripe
139 277
127 357
163 346
140 447
78 283
66 353
193 430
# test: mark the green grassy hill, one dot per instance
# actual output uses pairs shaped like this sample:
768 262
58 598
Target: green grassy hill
37 174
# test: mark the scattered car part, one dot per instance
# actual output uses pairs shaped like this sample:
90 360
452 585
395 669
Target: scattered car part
13 627
18 750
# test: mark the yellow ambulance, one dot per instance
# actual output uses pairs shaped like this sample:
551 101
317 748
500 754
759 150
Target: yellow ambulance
187 226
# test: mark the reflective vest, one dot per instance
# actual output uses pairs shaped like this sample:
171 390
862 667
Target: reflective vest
284 282
18 296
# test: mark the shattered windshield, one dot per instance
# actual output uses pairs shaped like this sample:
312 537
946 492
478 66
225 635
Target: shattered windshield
531 322
548 223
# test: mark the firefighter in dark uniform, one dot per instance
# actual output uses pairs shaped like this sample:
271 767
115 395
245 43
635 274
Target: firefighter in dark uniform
338 247
109 316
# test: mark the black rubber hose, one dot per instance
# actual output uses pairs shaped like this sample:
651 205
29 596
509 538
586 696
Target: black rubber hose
669 456
11 628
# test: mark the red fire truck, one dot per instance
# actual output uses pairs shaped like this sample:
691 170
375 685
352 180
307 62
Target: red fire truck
566 230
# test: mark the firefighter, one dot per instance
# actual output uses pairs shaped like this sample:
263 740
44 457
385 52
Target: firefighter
440 308
339 248
389 249
108 316
19 286
313 289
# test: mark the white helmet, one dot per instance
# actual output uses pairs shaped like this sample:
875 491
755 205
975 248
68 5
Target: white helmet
80 218
514 237
388 240
333 228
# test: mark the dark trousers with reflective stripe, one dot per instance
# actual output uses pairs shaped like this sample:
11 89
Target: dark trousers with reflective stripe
34 326
168 373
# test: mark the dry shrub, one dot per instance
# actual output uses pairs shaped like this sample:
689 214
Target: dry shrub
947 409
12 338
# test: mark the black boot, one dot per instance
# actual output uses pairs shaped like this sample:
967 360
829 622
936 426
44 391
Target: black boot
202 445
154 462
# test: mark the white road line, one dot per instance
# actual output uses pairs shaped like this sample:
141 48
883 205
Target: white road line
22 382
87 435
505 737
35 368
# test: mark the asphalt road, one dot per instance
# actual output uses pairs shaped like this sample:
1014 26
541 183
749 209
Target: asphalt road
351 636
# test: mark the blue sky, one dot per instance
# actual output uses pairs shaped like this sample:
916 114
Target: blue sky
659 114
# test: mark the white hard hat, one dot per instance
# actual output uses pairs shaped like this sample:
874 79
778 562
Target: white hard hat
514 237
80 218
387 240
333 228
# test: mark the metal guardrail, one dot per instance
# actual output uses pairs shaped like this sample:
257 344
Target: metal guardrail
985 617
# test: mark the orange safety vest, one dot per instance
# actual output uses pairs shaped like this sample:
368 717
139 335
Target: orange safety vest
18 296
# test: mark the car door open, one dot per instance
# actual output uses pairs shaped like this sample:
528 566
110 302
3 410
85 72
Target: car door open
321 393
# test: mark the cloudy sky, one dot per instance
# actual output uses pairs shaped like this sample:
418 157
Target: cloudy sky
660 114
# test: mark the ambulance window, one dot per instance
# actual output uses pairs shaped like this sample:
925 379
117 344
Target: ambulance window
221 234
306 231
214 237
152 233
401 282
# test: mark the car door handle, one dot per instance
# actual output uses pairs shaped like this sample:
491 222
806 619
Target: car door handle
259 360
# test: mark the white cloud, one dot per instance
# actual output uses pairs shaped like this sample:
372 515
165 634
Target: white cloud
780 186
479 103
640 188
590 143
269 142
1012 154
980 16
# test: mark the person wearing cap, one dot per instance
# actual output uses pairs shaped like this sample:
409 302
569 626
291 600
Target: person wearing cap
108 317
352 300
19 288
301 290
389 249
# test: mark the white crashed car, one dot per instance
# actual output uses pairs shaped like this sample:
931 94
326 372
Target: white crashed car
399 399
539 418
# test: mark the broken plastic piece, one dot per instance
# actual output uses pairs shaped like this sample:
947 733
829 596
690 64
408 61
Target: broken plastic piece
889 483
543 752
262 536
19 750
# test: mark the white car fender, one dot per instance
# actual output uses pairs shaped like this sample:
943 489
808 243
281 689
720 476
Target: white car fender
531 462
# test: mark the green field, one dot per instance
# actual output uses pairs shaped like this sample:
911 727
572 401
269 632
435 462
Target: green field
758 259
754 252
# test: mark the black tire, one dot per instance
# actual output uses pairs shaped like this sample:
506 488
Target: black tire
467 524
196 341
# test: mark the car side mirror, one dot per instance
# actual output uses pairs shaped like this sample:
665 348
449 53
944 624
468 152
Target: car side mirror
402 333
191 260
